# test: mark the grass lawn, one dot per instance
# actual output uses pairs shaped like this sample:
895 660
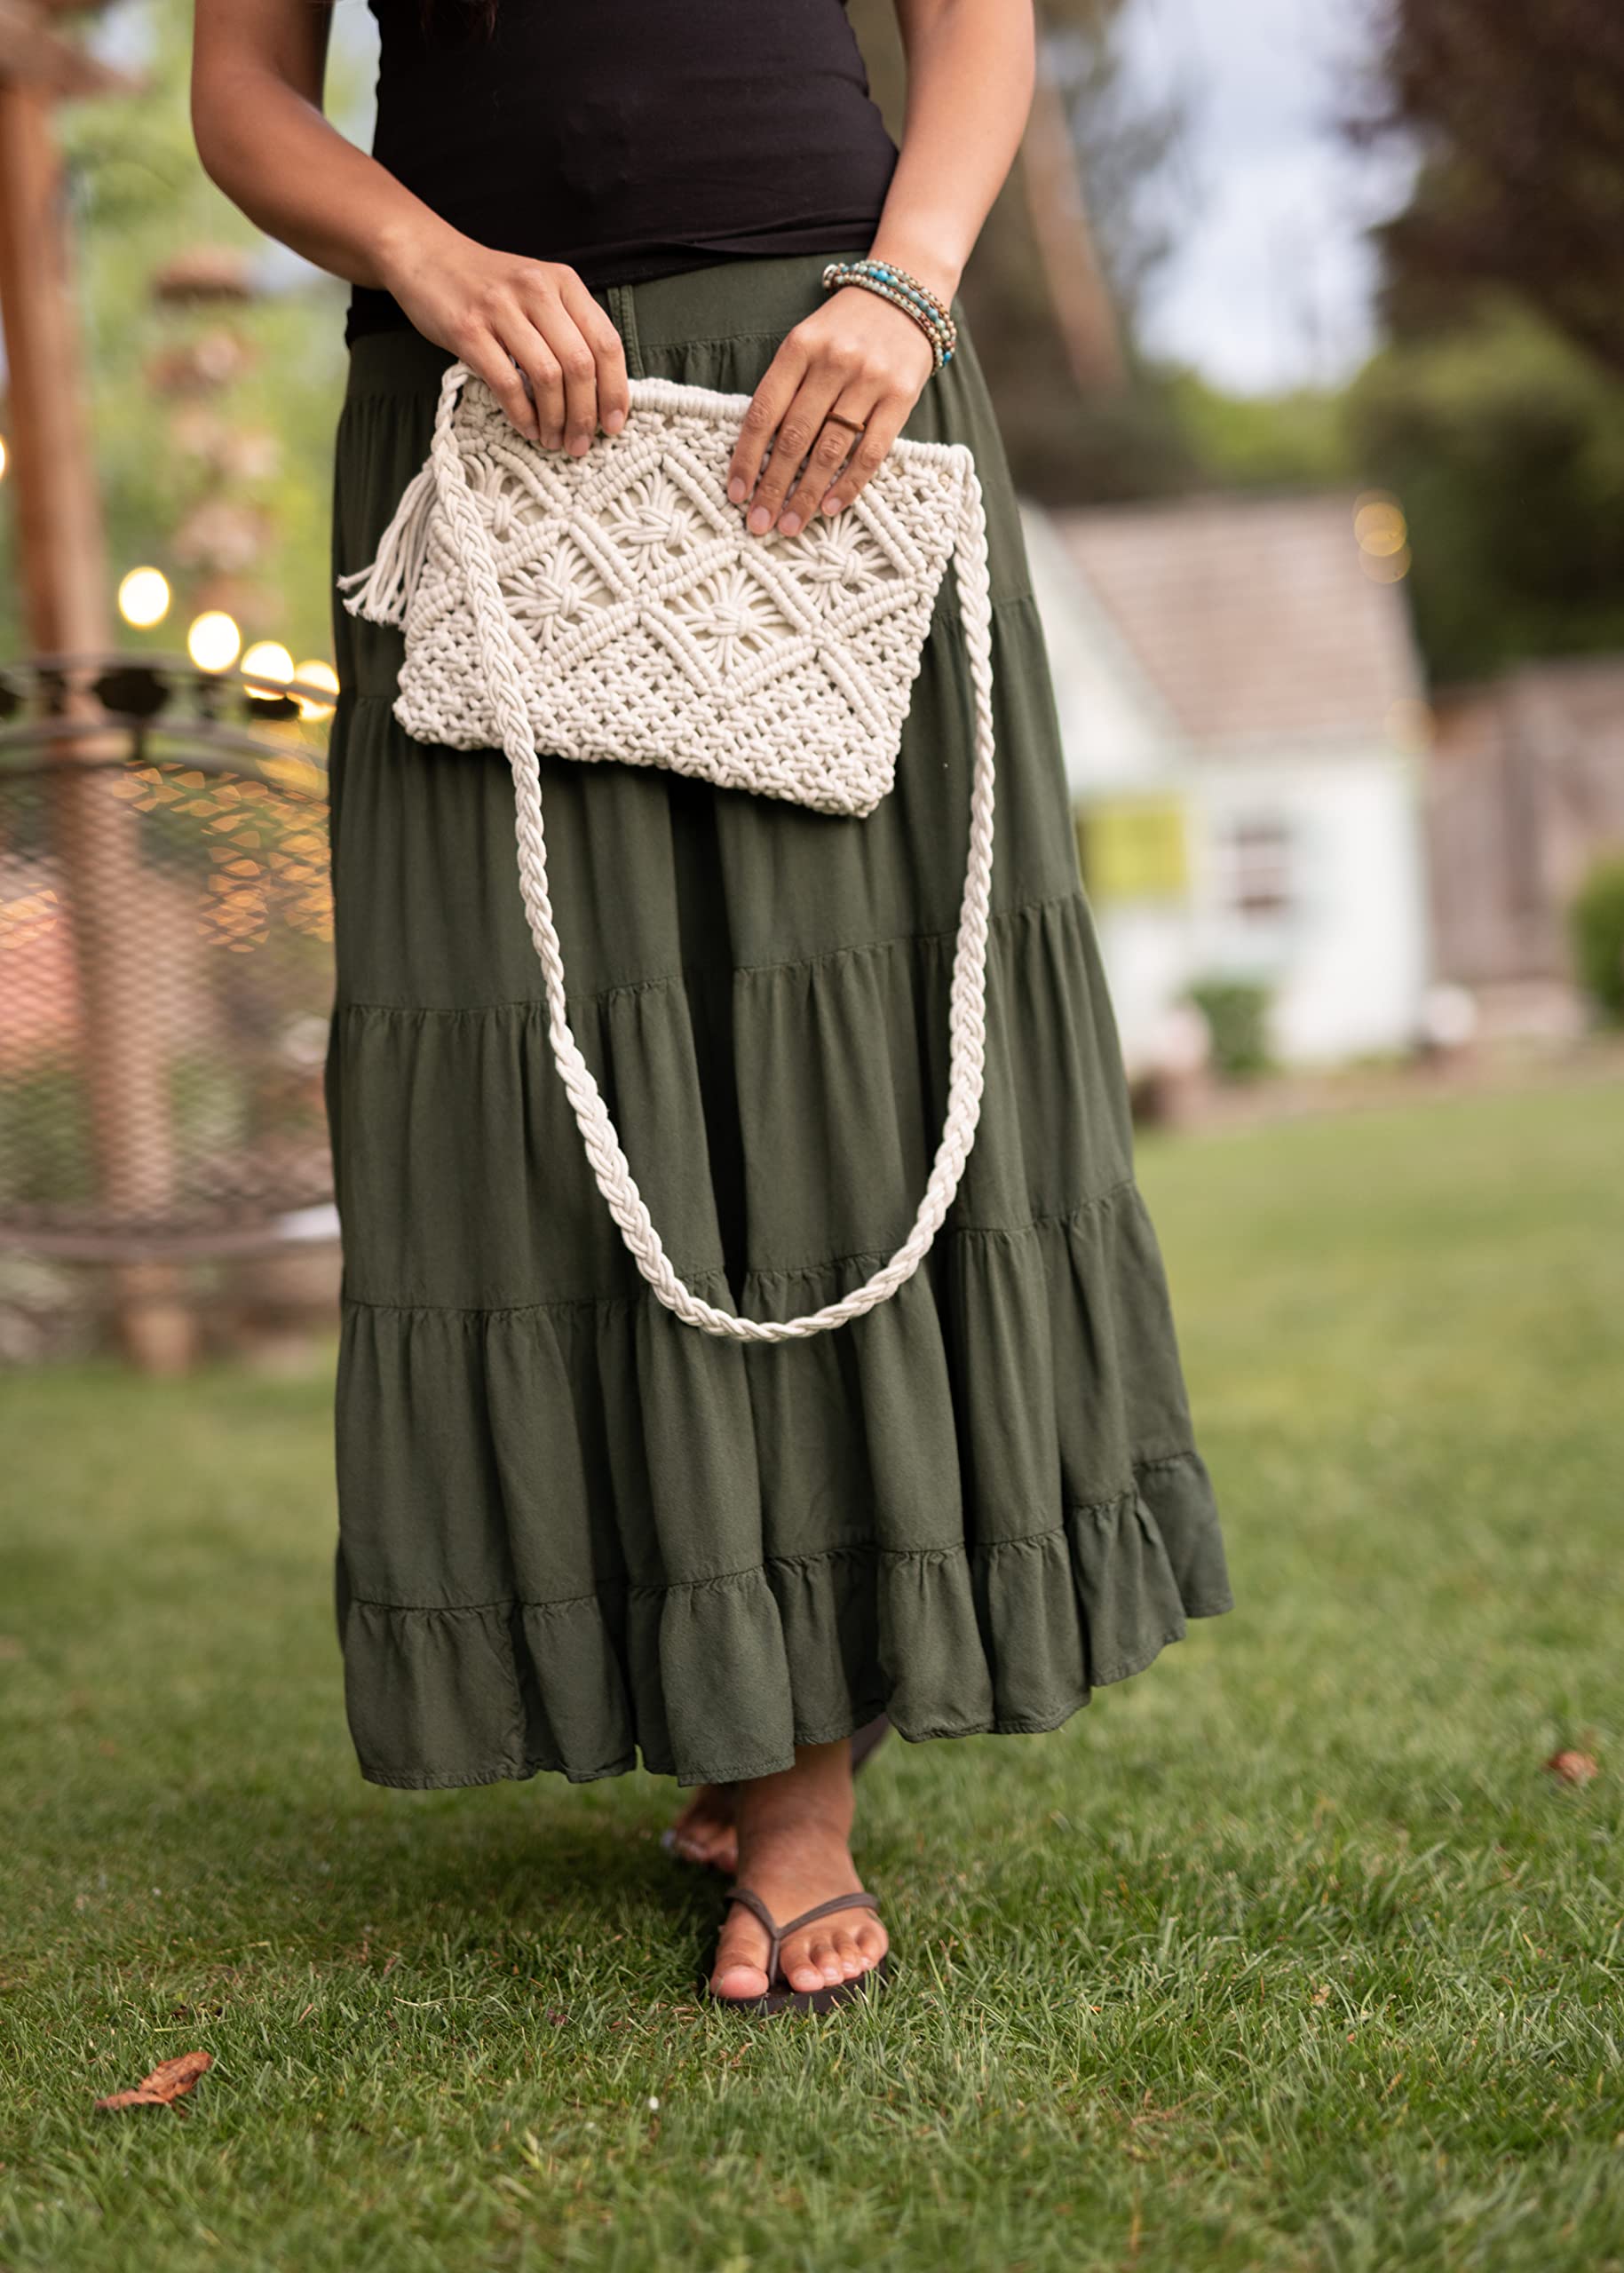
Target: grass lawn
1287 1954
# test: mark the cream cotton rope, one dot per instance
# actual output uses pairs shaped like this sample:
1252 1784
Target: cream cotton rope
614 607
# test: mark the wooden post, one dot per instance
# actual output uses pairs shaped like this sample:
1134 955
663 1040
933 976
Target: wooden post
1077 288
64 574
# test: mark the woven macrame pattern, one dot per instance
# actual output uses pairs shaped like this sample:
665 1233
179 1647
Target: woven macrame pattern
613 606
651 627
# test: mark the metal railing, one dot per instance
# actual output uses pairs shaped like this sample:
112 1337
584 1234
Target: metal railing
165 959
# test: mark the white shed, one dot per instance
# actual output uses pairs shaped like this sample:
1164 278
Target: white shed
1242 711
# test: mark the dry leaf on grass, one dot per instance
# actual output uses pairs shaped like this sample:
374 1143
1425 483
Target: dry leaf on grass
1571 1767
170 2080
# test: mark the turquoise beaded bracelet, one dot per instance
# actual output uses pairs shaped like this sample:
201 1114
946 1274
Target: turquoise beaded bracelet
903 291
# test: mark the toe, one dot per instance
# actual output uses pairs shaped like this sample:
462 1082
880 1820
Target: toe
702 1830
741 1981
806 1965
741 1959
850 1957
872 1944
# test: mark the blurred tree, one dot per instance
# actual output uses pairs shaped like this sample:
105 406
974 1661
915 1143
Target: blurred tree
215 361
1053 286
1518 113
1506 444
1597 921
1299 440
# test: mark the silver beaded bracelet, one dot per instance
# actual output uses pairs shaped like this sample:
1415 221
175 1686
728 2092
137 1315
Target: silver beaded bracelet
903 291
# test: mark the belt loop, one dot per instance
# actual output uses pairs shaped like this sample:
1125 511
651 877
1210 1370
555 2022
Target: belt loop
623 313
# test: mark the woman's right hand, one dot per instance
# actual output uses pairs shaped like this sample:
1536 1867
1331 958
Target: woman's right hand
515 322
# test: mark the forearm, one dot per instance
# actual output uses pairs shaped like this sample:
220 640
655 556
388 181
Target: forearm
970 67
261 136
529 329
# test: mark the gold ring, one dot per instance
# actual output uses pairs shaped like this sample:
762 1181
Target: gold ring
834 418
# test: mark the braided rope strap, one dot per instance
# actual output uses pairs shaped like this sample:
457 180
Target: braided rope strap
503 668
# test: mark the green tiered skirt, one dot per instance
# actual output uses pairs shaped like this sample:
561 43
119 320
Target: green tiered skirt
571 1530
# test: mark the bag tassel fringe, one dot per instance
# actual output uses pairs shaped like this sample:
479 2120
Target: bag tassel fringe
384 587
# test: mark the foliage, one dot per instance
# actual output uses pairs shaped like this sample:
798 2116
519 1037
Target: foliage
1237 1015
1065 448
1123 143
138 198
1298 440
1597 917
1519 114
45 1153
1286 1957
1506 446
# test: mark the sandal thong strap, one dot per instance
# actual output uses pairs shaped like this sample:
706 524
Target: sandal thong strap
777 1935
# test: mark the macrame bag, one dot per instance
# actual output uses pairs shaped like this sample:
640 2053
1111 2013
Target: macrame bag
614 606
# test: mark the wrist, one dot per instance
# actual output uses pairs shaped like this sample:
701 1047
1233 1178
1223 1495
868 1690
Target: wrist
909 293
936 272
404 246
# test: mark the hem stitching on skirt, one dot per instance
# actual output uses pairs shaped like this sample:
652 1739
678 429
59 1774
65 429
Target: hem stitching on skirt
984 1549
1006 917
949 1233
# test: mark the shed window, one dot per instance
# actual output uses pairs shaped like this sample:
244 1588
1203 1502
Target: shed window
1256 868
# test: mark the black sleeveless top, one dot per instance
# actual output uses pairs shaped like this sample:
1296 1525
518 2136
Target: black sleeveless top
631 139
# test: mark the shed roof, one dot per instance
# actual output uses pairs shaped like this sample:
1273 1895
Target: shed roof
1253 616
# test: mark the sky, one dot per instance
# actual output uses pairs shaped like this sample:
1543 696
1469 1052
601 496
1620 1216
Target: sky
1269 286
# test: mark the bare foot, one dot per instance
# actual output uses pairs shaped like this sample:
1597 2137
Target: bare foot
706 1831
794 1832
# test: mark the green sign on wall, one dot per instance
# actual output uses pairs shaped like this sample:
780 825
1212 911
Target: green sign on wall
1134 848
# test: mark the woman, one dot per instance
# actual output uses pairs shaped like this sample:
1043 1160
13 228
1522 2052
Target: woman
573 1530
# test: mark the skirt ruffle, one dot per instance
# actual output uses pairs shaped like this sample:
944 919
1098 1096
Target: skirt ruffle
732 1671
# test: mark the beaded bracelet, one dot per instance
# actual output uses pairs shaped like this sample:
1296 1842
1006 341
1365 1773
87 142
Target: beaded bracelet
903 291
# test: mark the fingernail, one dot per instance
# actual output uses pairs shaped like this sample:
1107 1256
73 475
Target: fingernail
613 421
735 490
831 503
579 444
790 523
759 519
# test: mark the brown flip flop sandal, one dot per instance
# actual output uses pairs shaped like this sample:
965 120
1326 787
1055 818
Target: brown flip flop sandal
863 1743
800 2000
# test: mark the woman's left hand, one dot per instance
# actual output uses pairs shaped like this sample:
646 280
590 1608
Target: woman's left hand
857 354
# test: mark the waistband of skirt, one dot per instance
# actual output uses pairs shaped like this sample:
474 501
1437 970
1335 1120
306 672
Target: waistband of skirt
748 296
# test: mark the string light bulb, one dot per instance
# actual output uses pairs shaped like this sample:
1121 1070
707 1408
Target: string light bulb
267 659
316 674
214 642
144 598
